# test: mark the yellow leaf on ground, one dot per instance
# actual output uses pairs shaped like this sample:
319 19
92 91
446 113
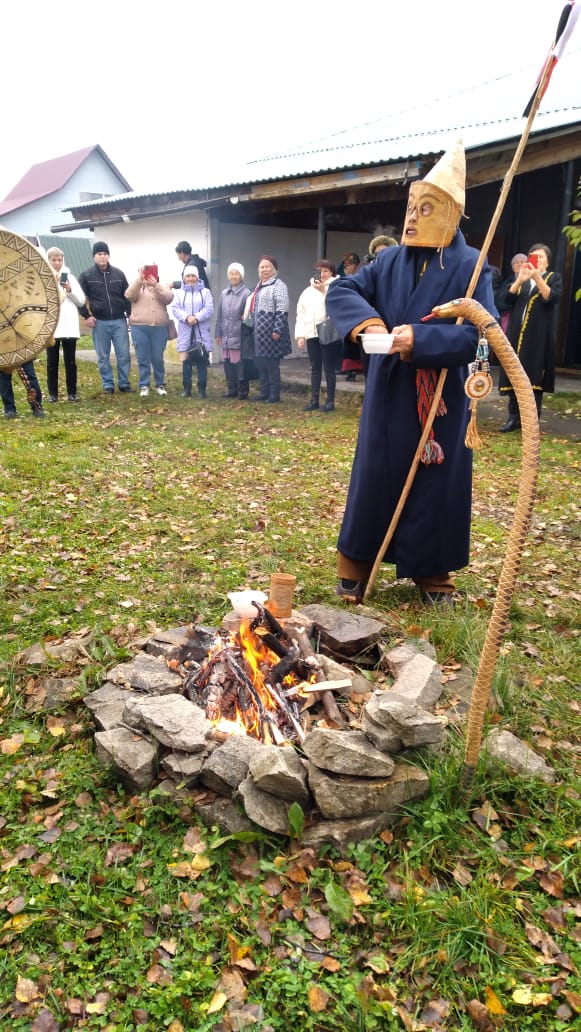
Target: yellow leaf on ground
11 745
318 999
176 1026
525 997
492 1002
26 990
218 1000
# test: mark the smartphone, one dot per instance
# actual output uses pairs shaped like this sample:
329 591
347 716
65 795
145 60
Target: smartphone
533 259
150 270
317 275
64 278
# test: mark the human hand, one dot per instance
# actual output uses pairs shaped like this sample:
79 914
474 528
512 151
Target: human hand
91 322
150 280
191 320
301 343
276 336
403 342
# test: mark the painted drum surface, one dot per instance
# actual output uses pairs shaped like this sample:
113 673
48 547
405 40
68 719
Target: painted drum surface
29 301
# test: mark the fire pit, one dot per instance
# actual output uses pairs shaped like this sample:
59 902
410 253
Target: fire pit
243 724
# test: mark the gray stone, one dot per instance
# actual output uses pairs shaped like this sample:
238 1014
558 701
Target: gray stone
281 772
342 631
518 756
265 809
382 737
107 704
343 833
340 797
396 659
146 674
226 814
183 767
163 650
334 671
67 650
420 681
414 725
171 719
131 757
228 766
56 691
346 752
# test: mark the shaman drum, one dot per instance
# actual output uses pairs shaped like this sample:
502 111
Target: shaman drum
29 301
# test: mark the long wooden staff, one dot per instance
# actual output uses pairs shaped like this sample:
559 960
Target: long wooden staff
538 96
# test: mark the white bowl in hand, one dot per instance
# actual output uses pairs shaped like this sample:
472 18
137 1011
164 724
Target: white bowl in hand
242 603
377 343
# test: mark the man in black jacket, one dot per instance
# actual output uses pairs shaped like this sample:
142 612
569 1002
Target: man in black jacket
106 311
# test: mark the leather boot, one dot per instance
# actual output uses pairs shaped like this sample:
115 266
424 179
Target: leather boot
512 423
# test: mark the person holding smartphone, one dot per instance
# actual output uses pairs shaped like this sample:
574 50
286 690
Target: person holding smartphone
67 330
149 321
311 312
531 300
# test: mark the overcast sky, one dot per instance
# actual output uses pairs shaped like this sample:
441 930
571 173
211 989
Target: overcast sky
178 93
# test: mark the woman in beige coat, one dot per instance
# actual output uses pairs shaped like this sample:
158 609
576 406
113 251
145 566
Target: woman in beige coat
149 323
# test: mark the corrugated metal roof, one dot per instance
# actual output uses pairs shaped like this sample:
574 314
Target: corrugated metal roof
78 251
482 115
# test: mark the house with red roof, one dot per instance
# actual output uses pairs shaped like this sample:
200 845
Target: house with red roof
37 201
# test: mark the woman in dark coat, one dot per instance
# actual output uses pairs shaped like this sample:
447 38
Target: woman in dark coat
269 304
531 299
433 266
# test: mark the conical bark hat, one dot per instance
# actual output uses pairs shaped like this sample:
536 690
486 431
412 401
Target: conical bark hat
29 301
449 174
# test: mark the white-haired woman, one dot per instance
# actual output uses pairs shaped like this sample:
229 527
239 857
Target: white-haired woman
228 331
67 330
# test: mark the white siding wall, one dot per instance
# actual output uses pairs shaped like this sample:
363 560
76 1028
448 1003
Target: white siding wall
94 176
153 241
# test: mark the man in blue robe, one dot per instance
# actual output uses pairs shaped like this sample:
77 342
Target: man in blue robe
432 266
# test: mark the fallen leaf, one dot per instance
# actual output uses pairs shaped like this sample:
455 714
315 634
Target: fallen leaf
552 882
26 990
218 1001
493 1004
318 999
480 1016
525 997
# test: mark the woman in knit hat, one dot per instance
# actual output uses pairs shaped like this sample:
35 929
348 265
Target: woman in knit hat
228 331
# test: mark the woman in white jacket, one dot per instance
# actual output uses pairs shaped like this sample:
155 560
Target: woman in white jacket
67 330
311 311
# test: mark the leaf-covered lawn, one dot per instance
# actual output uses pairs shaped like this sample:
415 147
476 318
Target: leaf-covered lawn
122 515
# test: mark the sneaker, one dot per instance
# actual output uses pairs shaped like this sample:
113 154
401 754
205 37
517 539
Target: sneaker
38 412
161 391
186 394
202 395
144 392
230 394
53 398
351 590
108 390
329 406
126 390
73 397
10 414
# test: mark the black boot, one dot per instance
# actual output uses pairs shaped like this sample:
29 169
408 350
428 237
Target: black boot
512 423
313 404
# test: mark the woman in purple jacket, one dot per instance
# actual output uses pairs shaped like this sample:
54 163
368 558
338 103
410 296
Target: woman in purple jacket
192 308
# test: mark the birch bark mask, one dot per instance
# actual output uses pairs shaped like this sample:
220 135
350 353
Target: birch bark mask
436 203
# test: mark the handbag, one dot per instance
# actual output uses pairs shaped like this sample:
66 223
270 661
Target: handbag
172 330
327 333
197 349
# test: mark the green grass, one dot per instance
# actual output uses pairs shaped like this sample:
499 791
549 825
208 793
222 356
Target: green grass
123 514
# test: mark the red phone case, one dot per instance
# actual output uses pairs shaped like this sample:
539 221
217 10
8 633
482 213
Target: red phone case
150 270
533 259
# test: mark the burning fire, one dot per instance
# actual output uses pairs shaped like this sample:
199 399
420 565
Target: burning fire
245 686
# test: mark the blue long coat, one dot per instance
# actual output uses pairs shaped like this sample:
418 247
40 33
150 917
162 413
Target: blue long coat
433 534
